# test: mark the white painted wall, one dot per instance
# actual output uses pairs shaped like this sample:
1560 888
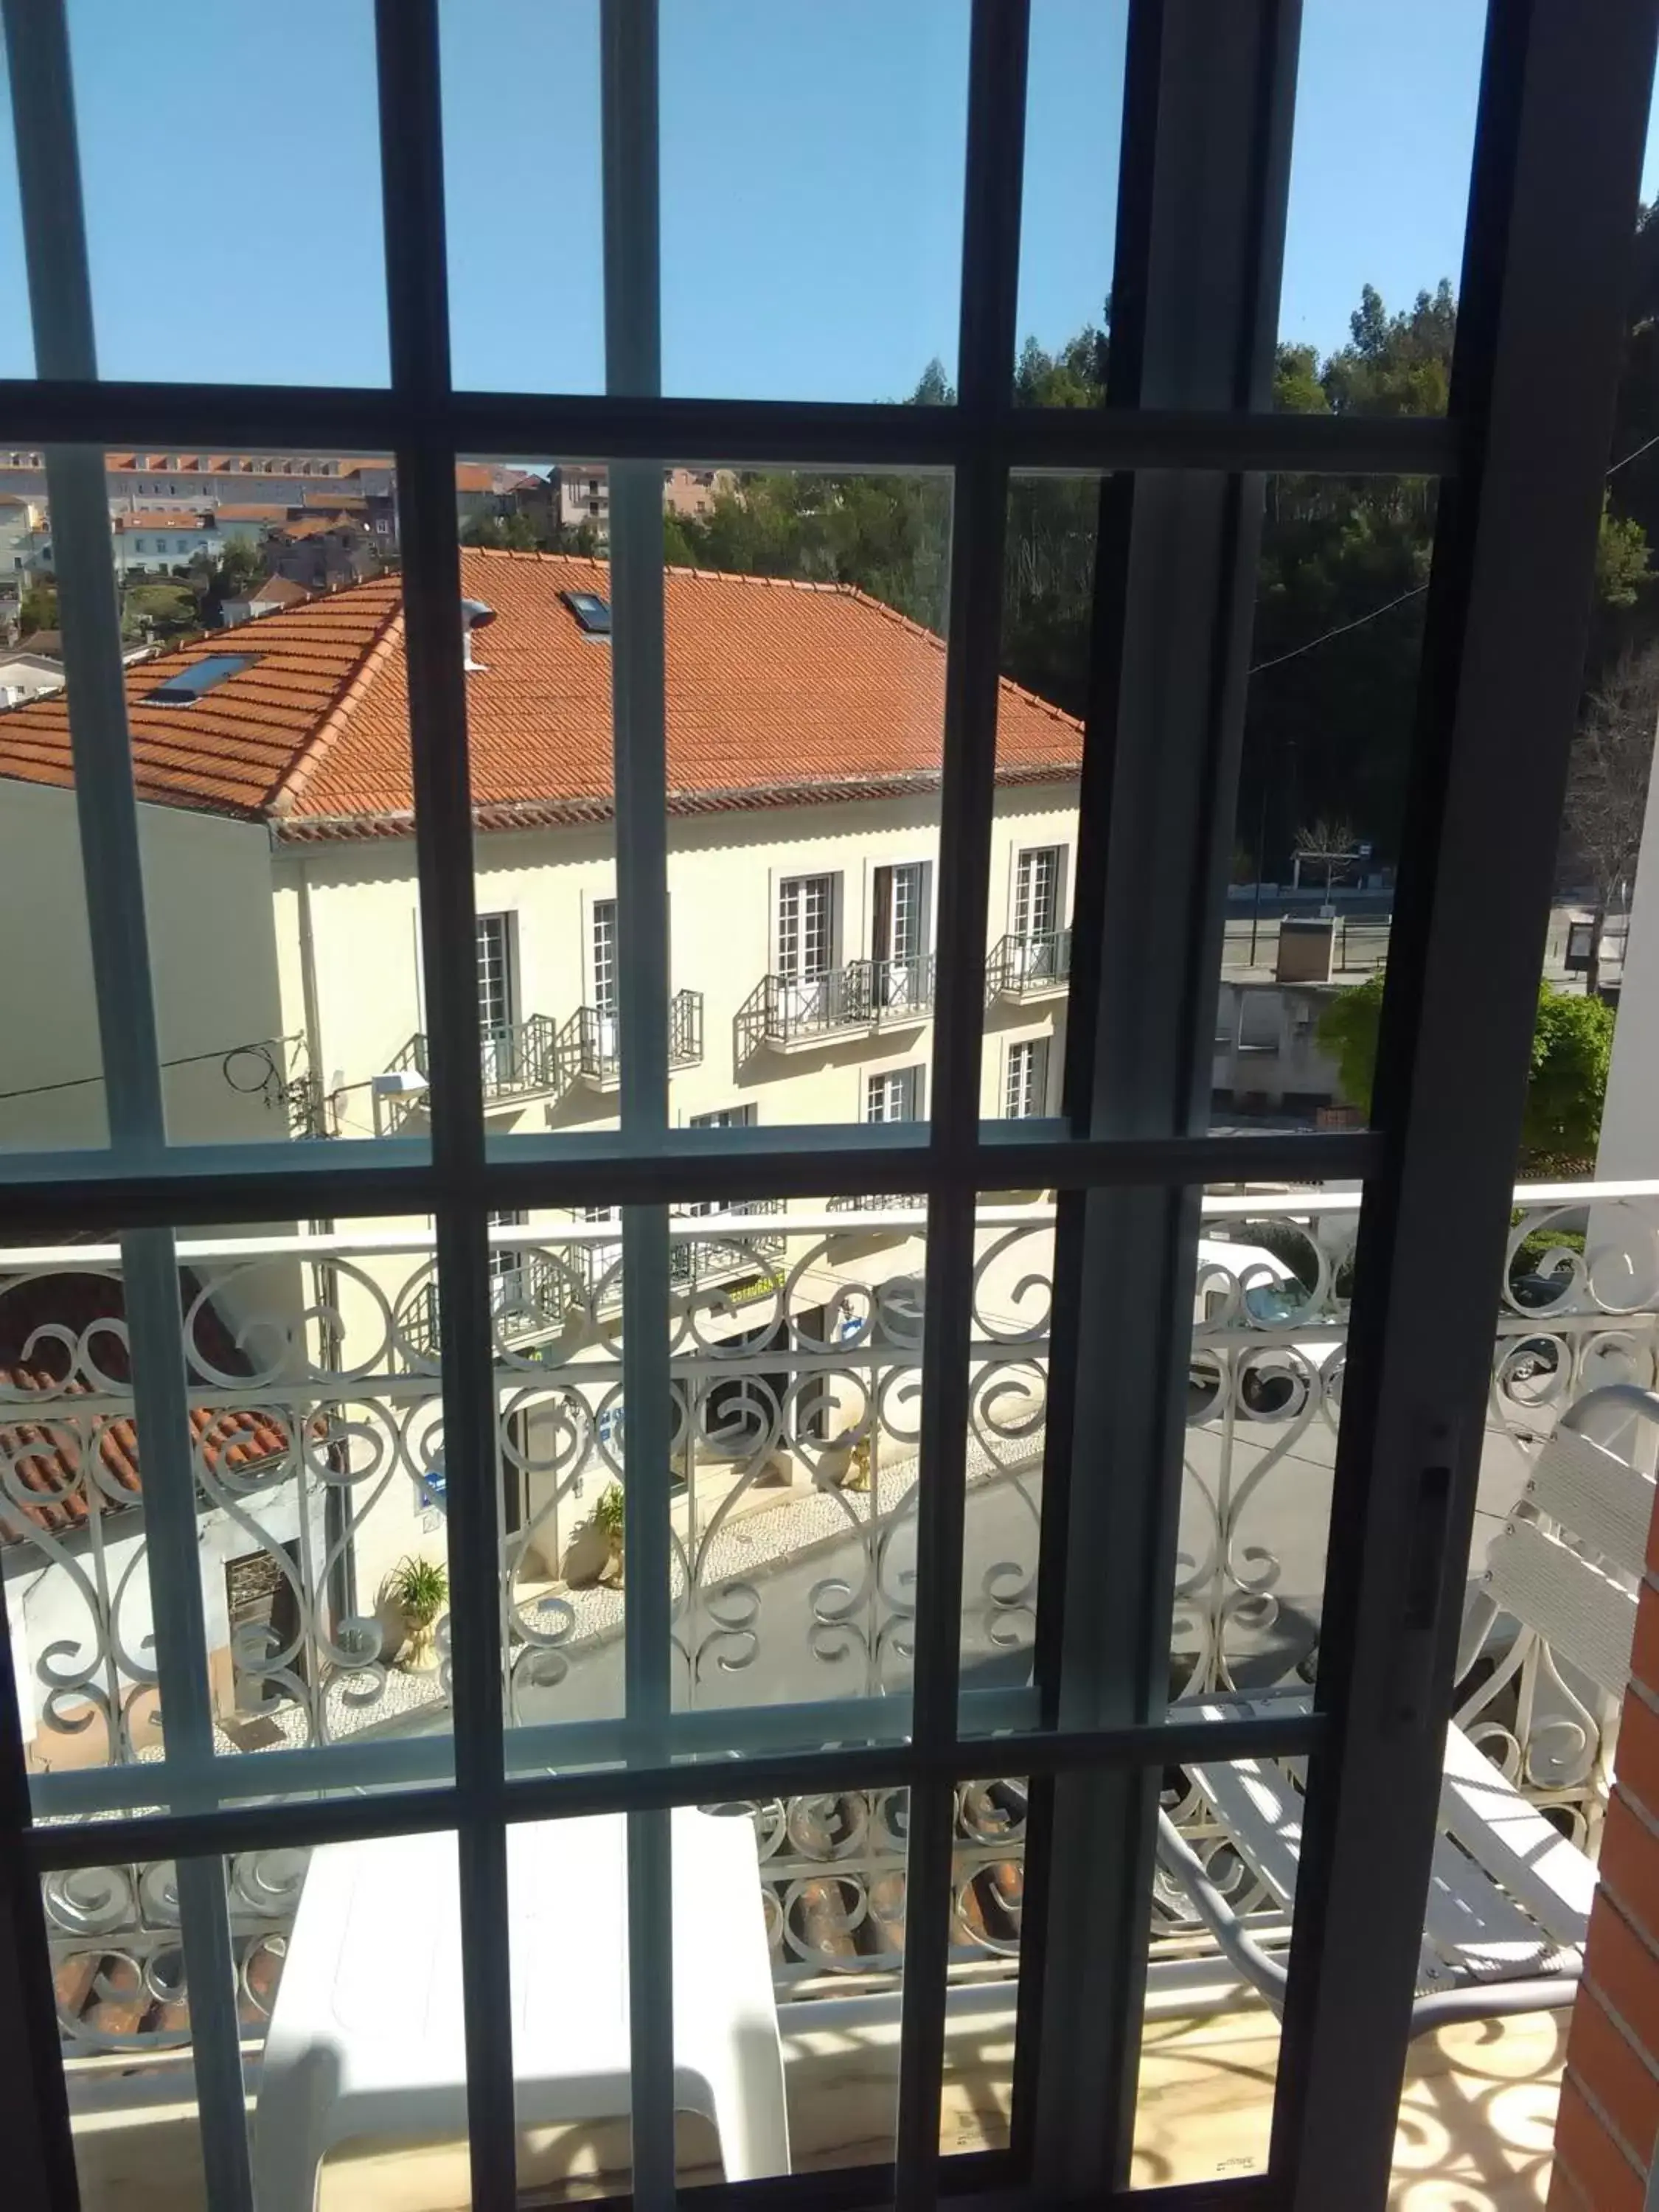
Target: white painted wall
208 907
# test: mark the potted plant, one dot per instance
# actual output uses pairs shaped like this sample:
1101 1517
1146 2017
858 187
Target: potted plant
419 1588
608 1519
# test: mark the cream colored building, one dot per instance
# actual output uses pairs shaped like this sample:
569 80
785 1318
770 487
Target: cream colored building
272 767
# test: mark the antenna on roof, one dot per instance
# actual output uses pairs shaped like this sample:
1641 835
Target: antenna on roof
474 615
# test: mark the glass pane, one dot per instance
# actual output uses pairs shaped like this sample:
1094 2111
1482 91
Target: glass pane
523 204
261 621
1374 243
316 1459
16 338
793 1344
1330 718
306 132
806 700
1273 1278
126 2023
1008 1432
1209 2038
1068 213
820 1951
1046 614
988 1892
861 203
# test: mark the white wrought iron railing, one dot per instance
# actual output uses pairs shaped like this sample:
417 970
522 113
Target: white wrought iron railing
794 1351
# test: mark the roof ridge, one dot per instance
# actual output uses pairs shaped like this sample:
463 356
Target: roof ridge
289 787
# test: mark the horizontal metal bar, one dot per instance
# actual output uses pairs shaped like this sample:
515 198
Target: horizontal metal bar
710 431
43 1192
717 1779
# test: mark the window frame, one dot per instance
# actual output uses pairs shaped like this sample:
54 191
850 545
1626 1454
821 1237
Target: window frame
1564 104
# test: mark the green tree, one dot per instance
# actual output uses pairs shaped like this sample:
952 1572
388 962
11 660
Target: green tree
1571 1051
38 610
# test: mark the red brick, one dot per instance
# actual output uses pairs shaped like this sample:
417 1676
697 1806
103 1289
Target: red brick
1638 1760
1630 1866
1565 2195
1626 1971
1603 2175
1644 1652
1599 2059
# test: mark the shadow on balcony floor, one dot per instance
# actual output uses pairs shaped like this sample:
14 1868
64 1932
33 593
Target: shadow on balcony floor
1475 2124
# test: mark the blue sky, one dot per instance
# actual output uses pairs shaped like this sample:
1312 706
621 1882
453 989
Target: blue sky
811 166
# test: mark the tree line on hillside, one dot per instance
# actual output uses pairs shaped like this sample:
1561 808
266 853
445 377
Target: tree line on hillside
1327 725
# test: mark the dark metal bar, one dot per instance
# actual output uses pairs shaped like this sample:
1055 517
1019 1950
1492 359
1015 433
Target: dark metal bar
237 1828
707 432
417 309
53 1193
1203 183
1564 114
990 276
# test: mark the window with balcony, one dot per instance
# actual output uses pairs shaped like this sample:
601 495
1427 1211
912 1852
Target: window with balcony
1037 911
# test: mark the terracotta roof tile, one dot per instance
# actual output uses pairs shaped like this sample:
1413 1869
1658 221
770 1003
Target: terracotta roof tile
778 694
53 1329
186 521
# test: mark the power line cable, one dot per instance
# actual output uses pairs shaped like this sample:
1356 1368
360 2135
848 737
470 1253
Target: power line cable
1417 590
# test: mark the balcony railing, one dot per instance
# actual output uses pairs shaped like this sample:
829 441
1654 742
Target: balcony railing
521 1061
1031 967
793 1360
589 1048
786 1012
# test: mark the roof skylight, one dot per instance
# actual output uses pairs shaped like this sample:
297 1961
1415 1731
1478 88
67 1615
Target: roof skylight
188 685
592 612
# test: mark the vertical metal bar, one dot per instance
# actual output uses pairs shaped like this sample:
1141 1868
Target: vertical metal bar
1563 118
34 2118
629 66
1204 172
411 158
106 806
990 276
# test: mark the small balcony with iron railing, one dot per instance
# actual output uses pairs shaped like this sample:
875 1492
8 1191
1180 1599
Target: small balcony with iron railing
590 1043
1023 968
792 1013
519 1062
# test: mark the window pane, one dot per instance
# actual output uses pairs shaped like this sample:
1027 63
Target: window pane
861 202
127 2025
1068 212
317 1469
1374 243
535 585
806 702
825 1948
1047 617
307 134
1209 2038
17 340
987 1894
1330 717
522 204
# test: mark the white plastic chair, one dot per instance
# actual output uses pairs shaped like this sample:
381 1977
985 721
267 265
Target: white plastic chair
1509 1896
366 2037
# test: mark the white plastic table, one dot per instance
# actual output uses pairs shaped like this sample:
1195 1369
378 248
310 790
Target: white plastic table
366 2038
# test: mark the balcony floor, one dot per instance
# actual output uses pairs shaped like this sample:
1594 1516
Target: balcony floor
1475 2126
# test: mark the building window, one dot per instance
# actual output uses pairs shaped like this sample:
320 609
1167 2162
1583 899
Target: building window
507 1268
723 1117
1026 1090
495 977
806 910
895 1096
1036 891
603 950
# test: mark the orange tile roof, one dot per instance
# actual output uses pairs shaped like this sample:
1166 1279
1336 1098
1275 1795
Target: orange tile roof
778 694
244 511
277 592
186 521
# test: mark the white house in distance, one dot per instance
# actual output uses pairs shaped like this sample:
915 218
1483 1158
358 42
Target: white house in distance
271 761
